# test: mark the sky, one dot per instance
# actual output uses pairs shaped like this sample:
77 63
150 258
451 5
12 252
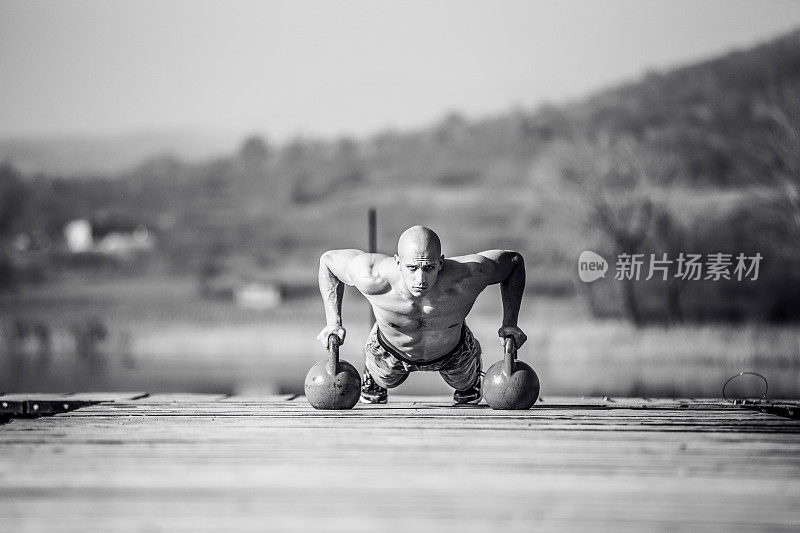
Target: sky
329 68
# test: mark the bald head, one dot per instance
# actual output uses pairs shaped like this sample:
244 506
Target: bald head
419 258
419 242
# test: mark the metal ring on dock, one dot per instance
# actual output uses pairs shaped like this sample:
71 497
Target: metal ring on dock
743 400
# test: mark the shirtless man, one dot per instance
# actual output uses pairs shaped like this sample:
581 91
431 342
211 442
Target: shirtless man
420 300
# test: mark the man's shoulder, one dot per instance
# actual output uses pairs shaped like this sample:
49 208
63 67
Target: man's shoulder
471 263
371 272
464 268
478 266
369 263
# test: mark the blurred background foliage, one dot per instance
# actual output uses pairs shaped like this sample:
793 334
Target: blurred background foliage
220 291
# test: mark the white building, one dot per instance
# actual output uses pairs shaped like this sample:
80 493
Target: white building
257 295
78 234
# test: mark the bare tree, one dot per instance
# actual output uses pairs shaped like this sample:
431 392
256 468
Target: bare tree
613 184
673 235
771 158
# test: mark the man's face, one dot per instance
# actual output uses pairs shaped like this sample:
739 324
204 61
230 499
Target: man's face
420 271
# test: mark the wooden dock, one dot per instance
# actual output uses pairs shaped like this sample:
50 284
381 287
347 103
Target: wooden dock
137 462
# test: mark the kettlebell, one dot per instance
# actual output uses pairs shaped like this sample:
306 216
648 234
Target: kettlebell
510 384
331 383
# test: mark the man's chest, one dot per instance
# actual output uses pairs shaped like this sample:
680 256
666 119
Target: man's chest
431 312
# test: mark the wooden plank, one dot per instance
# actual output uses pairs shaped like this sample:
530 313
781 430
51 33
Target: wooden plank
107 396
165 398
205 462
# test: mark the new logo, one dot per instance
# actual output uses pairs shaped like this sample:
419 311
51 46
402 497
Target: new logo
591 266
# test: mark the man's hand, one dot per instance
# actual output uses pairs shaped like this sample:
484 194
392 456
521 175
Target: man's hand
327 331
512 331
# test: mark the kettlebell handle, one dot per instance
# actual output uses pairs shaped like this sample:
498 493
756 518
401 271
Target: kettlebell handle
510 355
333 352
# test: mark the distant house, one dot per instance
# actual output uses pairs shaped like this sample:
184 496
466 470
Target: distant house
248 285
243 291
78 234
125 244
122 242
257 295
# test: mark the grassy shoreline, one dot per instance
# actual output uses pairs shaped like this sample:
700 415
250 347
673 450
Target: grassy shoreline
161 335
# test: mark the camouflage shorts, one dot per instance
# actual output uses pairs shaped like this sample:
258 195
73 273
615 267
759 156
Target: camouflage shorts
460 368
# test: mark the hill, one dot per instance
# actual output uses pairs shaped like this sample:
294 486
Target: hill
681 147
81 156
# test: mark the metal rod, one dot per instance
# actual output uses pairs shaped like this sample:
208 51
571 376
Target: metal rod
373 231
372 223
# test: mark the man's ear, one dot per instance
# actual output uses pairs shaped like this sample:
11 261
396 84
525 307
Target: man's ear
397 259
441 261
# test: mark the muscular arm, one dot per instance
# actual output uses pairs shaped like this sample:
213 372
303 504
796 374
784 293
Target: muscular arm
507 268
338 268
333 276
